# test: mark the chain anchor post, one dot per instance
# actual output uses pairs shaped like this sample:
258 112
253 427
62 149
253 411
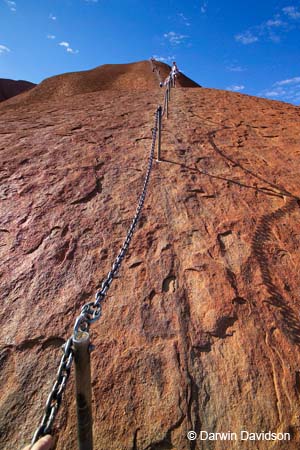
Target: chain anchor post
159 112
166 104
83 387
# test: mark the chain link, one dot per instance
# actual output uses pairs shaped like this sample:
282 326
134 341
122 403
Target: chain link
54 399
91 311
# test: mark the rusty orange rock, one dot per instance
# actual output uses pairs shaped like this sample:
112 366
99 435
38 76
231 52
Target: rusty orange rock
200 331
130 77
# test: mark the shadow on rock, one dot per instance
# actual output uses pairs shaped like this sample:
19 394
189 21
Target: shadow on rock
290 323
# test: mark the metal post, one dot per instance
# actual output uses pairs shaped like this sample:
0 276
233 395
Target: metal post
167 102
81 343
165 109
159 133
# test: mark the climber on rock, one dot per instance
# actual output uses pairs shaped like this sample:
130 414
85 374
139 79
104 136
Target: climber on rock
174 73
152 60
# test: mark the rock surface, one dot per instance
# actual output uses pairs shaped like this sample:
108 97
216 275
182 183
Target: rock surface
200 331
11 88
125 77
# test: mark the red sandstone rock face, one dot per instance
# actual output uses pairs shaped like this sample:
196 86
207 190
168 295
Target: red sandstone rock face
201 328
10 88
134 76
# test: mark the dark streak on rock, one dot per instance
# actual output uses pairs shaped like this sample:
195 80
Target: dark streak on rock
136 264
221 326
97 190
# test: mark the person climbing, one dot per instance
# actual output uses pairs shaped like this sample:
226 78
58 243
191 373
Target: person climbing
174 73
45 443
152 60
175 68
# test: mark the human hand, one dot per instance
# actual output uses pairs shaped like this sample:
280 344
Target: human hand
45 443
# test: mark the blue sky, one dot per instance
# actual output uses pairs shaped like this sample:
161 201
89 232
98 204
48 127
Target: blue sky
246 46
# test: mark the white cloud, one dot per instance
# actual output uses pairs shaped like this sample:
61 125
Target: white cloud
52 17
269 30
272 93
274 37
70 50
203 7
284 90
235 88
4 49
12 5
246 38
51 36
235 68
165 59
275 91
66 45
295 80
175 38
272 28
184 19
291 12
274 23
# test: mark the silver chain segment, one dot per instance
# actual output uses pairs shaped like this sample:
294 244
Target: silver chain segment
54 399
90 312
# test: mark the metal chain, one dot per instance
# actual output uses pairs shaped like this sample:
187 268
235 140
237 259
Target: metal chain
91 311
54 399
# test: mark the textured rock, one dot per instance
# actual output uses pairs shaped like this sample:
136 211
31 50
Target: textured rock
201 328
134 76
10 88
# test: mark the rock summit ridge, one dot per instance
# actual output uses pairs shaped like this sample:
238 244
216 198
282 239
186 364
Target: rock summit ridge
136 76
